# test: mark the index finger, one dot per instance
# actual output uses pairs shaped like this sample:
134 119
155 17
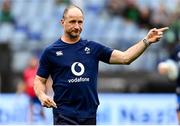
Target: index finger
163 29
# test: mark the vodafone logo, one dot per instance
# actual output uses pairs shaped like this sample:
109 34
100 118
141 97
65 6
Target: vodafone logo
74 68
77 69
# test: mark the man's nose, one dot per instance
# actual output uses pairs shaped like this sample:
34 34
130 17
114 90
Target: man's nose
77 26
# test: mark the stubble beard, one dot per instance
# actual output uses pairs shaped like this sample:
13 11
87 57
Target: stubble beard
73 36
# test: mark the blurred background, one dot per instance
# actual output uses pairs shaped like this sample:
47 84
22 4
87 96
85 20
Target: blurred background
28 26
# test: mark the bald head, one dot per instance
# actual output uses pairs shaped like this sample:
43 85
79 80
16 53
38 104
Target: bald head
72 9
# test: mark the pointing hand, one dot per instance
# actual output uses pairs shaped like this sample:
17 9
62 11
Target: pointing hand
155 34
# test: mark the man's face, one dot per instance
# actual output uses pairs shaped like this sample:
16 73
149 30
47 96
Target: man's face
73 23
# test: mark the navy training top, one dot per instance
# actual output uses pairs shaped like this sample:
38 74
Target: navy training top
74 70
175 55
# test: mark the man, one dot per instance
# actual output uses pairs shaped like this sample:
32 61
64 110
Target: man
73 65
170 67
28 79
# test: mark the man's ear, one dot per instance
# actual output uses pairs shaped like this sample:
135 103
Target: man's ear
62 21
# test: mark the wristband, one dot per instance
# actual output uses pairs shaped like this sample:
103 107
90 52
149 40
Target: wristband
146 43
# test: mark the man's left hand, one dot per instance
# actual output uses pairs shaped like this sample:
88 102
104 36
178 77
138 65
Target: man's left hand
155 34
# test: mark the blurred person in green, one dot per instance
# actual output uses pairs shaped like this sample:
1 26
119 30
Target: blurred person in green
5 13
132 12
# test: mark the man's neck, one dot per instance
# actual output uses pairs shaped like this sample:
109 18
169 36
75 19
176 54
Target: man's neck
69 40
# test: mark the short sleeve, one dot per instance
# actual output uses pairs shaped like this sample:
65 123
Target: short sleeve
44 65
103 53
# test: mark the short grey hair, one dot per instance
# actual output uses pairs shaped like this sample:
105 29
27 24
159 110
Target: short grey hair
70 7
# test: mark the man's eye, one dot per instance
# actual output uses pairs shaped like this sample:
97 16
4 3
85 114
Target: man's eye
72 21
80 22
